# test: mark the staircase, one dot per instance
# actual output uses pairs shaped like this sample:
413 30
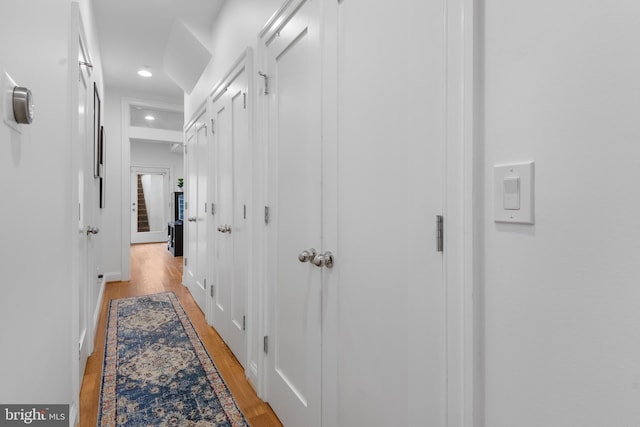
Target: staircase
143 218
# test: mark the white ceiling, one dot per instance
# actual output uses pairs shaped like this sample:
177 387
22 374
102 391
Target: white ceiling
133 34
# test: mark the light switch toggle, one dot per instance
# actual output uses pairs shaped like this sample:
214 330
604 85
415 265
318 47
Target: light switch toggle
513 189
511 193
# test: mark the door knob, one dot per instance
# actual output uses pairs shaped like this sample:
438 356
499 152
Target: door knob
306 256
323 260
226 228
192 219
92 230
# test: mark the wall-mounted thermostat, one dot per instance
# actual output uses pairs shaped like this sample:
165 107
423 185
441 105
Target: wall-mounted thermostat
17 103
513 197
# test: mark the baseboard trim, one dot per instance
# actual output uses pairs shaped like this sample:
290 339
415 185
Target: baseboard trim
73 415
98 308
113 277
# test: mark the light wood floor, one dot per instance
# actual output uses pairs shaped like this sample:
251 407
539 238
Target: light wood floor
153 270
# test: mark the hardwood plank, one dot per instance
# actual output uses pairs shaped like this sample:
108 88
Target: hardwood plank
154 269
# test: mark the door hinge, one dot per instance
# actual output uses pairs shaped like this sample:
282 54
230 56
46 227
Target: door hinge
244 323
213 208
205 207
439 233
211 290
213 130
205 283
244 102
266 344
245 212
185 262
266 214
186 206
266 82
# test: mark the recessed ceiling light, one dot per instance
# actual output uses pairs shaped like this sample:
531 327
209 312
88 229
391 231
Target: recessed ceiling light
150 118
145 73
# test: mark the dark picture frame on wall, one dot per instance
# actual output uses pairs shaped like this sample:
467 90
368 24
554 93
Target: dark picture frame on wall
97 173
102 165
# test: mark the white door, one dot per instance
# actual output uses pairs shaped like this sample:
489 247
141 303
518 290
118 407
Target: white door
295 209
87 205
356 169
199 289
195 265
150 200
190 195
232 160
391 303
84 173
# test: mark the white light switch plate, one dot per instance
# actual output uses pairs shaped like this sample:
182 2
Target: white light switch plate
503 177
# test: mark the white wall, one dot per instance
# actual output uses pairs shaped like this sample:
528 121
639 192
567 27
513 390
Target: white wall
112 214
158 154
35 169
236 28
562 297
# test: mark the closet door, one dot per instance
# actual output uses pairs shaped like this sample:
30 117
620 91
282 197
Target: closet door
294 232
195 268
232 221
391 300
355 117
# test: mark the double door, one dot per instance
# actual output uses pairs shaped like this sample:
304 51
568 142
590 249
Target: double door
355 305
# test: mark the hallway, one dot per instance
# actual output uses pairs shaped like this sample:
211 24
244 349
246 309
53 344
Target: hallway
154 270
430 207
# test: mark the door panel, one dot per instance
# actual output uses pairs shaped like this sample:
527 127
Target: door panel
392 302
233 192
202 145
84 175
195 269
191 190
295 185
224 216
240 203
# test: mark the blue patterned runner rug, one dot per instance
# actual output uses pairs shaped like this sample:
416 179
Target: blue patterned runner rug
156 370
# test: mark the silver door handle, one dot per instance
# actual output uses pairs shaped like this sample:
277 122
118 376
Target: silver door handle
191 219
306 256
323 260
92 230
226 228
